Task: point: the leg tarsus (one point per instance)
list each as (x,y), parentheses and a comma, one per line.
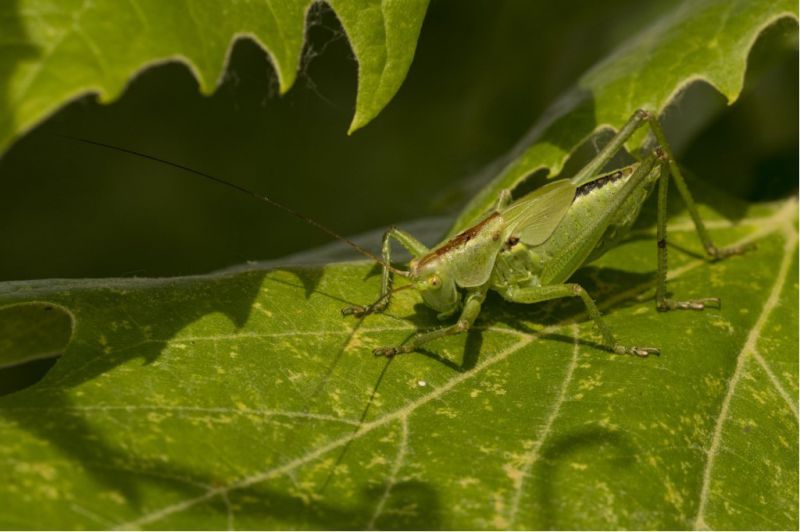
(641,352)
(722,253)
(666,304)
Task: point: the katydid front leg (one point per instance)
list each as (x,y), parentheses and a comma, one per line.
(536,294)
(414,246)
(472,307)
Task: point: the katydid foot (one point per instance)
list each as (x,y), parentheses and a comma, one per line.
(641,352)
(359,311)
(666,305)
(723,253)
(389,352)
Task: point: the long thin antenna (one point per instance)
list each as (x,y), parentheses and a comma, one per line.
(247,191)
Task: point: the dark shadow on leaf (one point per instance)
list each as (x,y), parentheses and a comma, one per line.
(424,317)
(372,272)
(267,507)
(310,277)
(404,496)
(433,355)
(264,506)
(555,458)
(144,337)
(472,349)
(309,282)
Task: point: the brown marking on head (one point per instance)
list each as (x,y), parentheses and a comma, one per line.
(457,241)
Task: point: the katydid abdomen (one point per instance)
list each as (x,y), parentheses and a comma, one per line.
(602,213)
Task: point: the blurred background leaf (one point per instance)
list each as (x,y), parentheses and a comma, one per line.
(484,71)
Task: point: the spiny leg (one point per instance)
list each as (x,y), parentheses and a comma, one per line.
(472,307)
(536,294)
(414,246)
(663,303)
(604,156)
(691,206)
(637,120)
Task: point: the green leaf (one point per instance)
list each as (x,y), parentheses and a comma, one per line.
(705,40)
(53,53)
(384,37)
(245,400)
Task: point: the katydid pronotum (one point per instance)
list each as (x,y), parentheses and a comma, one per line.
(526,250)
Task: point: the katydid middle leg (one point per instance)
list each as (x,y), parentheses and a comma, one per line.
(472,307)
(414,246)
(536,294)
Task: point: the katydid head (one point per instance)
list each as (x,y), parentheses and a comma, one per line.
(436,285)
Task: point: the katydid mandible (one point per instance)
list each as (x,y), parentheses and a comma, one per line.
(527,250)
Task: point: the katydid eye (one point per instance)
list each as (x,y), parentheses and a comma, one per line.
(434,280)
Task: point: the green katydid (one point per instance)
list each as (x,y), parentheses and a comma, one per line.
(527,250)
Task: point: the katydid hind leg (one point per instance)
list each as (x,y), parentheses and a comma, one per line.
(680,183)
(536,294)
(414,246)
(669,166)
(604,156)
(472,307)
(663,303)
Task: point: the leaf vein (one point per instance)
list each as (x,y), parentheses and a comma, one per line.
(747,350)
(402,450)
(533,455)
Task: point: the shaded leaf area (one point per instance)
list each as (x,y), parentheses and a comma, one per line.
(707,40)
(71,210)
(245,400)
(55,52)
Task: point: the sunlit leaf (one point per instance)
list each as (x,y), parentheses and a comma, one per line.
(247,400)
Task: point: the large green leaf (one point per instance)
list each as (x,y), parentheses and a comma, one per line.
(245,400)
(705,40)
(53,52)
